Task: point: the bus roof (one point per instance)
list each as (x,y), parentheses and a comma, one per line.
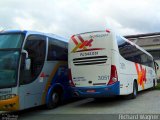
(12,31)
(34,32)
(95,32)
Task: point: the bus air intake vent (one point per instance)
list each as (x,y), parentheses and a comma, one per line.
(90,60)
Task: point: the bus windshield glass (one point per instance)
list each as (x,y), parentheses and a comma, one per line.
(10,44)
(11,40)
(8,68)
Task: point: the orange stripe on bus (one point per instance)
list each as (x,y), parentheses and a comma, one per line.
(50,80)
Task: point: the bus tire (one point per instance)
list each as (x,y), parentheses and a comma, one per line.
(154,85)
(54,101)
(135,90)
(133,95)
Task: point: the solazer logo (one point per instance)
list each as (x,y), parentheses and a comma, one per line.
(82,45)
(98,35)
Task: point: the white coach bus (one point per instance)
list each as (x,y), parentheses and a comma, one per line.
(33,70)
(103,63)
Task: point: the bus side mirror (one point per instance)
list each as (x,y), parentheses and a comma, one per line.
(26,60)
(156,65)
(27,64)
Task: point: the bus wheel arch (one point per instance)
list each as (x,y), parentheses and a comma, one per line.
(135,89)
(54,97)
(154,84)
(133,95)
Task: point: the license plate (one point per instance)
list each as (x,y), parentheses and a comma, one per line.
(91,91)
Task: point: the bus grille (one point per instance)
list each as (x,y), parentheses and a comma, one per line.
(90,60)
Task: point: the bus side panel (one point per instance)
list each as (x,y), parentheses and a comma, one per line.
(58,76)
(127,75)
(130,71)
(60,79)
(150,76)
(34,93)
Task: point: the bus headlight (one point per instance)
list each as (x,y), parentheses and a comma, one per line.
(9,96)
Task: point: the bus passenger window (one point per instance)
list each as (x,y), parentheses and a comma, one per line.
(57,50)
(36,48)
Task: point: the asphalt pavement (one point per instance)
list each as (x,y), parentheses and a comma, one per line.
(147,102)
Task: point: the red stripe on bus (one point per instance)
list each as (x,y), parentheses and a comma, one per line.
(80,38)
(83,44)
(89,43)
(92,49)
(74,40)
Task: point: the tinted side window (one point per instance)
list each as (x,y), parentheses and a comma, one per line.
(128,51)
(57,50)
(131,53)
(36,48)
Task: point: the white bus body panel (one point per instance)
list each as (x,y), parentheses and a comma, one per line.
(91,72)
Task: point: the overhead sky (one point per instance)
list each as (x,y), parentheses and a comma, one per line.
(68,17)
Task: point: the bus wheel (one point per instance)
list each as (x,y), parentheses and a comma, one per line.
(54,100)
(153,85)
(135,91)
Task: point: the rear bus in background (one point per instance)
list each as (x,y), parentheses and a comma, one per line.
(103,63)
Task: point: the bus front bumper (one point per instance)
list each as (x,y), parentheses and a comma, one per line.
(11,104)
(97,91)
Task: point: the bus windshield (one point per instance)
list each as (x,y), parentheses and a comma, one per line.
(10,44)
(8,68)
(11,40)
